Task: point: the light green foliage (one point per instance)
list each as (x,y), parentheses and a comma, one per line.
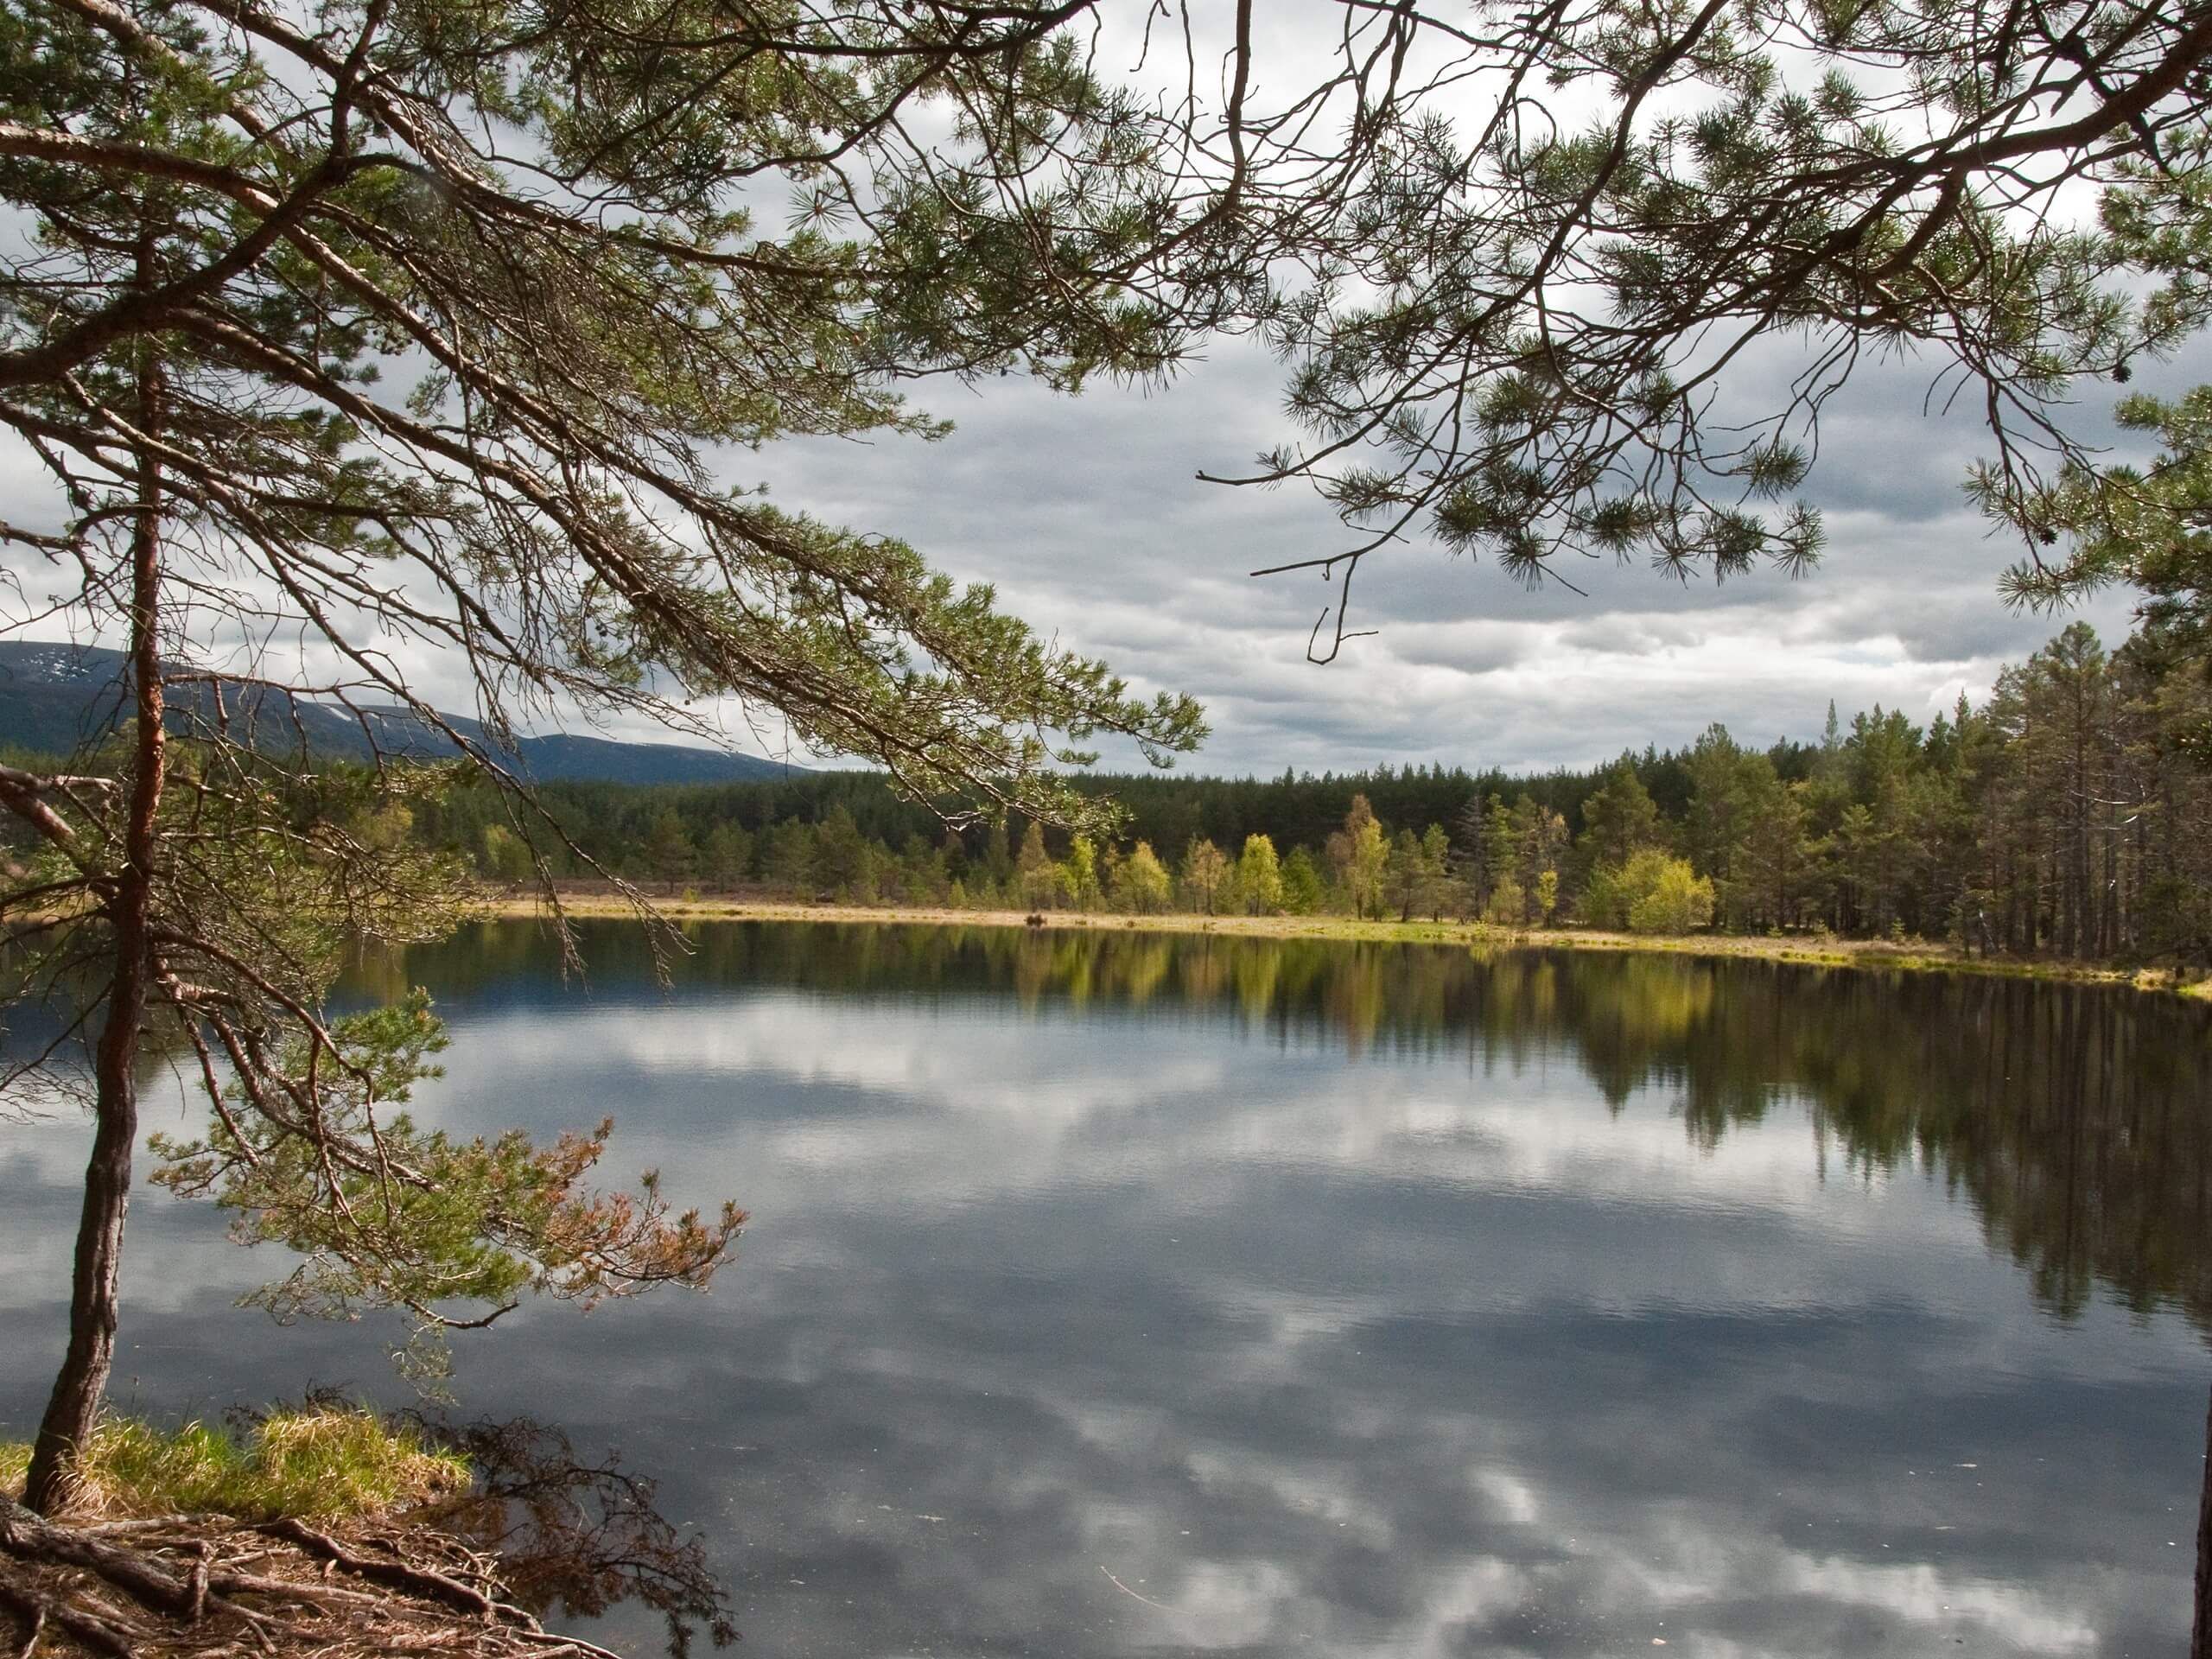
(1079,874)
(1547,895)
(1528,839)
(1652,892)
(1141,883)
(317,1464)
(1259,877)
(1204,875)
(269,881)
(1950,830)
(1601,903)
(1508,905)
(1360,855)
(506,858)
(1038,878)
(1675,903)
(257,883)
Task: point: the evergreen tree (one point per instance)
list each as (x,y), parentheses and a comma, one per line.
(1303,892)
(726,856)
(1619,819)
(1536,835)
(1436,882)
(1773,865)
(922,878)
(789,863)
(669,854)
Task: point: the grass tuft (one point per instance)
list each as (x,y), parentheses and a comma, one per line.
(319,1463)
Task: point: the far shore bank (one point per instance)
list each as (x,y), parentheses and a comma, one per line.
(1805,949)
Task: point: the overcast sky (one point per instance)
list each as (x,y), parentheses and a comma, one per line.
(1086,514)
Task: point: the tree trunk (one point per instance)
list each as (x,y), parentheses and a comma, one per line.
(74,1407)
(2200,1639)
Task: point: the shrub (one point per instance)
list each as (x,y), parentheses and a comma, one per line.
(1507,905)
(1652,892)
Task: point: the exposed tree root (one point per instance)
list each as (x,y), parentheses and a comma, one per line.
(393,1572)
(34,1611)
(185,1589)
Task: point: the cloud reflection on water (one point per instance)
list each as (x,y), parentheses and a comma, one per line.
(1427,1306)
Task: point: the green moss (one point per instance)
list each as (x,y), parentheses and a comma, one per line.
(323,1463)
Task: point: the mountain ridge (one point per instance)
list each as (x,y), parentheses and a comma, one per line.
(56,696)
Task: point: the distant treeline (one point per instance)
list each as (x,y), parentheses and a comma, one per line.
(2070,814)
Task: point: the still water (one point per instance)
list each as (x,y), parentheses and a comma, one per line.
(1110,1294)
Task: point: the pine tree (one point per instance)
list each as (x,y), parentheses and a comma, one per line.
(1619,819)
(725,857)
(668,854)
(1303,892)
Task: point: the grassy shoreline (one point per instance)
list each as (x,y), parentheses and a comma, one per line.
(1914,956)
(206,1541)
(319,1463)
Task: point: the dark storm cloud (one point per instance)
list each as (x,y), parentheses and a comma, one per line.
(1087,515)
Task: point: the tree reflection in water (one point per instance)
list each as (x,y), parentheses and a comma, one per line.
(2074,1121)
(576,1538)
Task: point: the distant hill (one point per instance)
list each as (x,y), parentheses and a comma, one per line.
(55,697)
